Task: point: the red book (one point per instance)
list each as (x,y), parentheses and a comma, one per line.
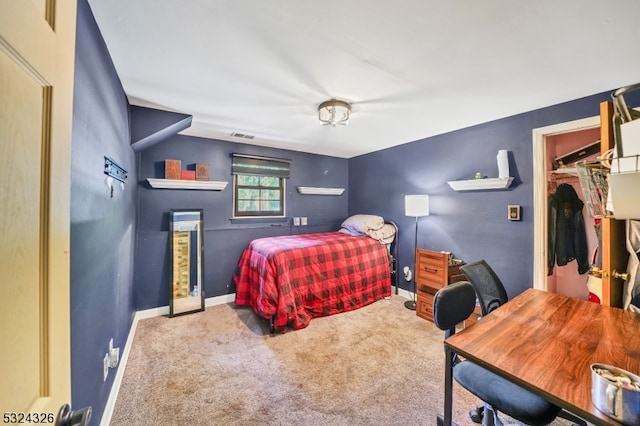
(188,174)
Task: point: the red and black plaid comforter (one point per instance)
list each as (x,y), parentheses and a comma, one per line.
(294,278)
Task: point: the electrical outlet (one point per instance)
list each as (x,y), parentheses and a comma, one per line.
(296,221)
(114,357)
(105,371)
(407,274)
(303,221)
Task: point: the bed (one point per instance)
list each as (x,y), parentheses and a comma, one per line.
(290,279)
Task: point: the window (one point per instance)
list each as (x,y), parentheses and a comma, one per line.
(258,196)
(258,186)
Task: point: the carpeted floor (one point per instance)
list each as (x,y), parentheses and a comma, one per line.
(379,365)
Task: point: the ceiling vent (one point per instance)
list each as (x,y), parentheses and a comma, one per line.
(241,135)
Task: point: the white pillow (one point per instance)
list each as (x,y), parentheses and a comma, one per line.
(363,223)
(385,235)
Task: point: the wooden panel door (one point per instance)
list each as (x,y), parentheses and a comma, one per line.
(37,41)
(613,249)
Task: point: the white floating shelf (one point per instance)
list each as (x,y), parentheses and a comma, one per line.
(314,190)
(480,184)
(210,185)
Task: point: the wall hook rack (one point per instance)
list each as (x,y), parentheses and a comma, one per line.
(114,169)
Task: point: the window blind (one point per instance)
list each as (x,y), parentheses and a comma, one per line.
(256,165)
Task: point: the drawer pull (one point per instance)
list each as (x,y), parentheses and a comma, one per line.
(434,270)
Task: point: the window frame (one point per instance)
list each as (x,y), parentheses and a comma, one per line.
(261,214)
(259,167)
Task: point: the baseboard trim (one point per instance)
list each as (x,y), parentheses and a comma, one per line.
(404,293)
(140,315)
(219,300)
(117,381)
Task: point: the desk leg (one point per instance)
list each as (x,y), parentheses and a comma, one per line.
(446,420)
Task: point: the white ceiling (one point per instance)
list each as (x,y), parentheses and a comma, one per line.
(410,68)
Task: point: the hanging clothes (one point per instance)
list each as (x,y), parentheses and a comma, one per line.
(631,295)
(567,238)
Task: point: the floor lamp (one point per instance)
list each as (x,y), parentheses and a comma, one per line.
(416,206)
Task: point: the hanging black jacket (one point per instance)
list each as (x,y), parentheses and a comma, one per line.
(567,239)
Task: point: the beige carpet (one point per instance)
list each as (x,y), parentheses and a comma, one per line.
(379,365)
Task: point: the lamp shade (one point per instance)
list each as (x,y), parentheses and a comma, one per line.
(416,205)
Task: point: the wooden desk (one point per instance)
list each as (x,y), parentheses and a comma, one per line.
(546,343)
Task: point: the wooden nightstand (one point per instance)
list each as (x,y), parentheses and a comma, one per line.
(433,272)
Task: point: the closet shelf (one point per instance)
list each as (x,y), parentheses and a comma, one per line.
(480,184)
(210,185)
(565,171)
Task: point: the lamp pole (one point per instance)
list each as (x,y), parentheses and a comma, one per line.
(411,304)
(415,206)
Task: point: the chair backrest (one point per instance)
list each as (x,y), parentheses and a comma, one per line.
(453,304)
(489,289)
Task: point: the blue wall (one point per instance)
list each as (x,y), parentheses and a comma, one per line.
(111,234)
(224,239)
(473,225)
(103,229)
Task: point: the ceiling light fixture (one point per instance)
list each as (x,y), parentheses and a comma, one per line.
(334,112)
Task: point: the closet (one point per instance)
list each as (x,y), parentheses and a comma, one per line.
(563,151)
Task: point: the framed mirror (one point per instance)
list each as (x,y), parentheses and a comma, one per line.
(187,269)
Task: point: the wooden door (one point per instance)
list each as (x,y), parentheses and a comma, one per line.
(37,42)
(613,249)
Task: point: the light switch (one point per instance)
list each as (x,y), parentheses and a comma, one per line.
(513,212)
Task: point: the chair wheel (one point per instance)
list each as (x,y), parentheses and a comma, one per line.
(477,414)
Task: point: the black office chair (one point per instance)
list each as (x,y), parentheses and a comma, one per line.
(489,289)
(491,294)
(452,305)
